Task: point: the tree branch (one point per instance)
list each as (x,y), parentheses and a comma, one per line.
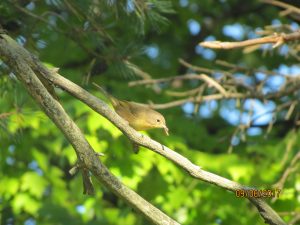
(7,114)
(291,168)
(23,65)
(15,57)
(288,7)
(276,39)
(102,108)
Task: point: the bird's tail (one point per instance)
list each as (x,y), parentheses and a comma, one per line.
(114,101)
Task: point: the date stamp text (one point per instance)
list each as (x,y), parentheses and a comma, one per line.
(255,193)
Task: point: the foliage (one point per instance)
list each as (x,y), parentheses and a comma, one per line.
(110,43)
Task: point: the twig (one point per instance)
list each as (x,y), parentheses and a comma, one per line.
(229,95)
(184,93)
(210,81)
(291,168)
(291,8)
(202,69)
(247,70)
(143,75)
(291,110)
(295,219)
(4,115)
(195,68)
(200,99)
(276,39)
(294,214)
(288,149)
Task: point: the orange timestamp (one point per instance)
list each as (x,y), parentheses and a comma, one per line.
(255,193)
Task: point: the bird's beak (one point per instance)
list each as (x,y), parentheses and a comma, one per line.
(166,130)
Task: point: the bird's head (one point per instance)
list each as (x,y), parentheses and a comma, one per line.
(156,120)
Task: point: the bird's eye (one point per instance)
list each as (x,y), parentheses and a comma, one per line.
(158,120)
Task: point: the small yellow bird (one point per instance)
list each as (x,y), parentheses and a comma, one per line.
(138,116)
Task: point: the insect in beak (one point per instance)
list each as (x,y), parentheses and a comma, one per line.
(166,130)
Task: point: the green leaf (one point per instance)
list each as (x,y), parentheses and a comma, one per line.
(9,186)
(24,201)
(34,183)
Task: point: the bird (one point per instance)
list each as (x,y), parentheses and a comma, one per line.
(139,116)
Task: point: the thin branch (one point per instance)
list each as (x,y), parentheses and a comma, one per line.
(288,149)
(247,70)
(290,87)
(291,168)
(276,39)
(196,68)
(289,7)
(200,99)
(7,114)
(143,75)
(185,93)
(295,219)
(210,81)
(155,81)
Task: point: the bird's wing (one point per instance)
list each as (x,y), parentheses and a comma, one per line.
(112,99)
(137,109)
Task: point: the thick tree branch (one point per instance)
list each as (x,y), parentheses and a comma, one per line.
(20,61)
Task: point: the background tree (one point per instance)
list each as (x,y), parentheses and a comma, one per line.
(237,118)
